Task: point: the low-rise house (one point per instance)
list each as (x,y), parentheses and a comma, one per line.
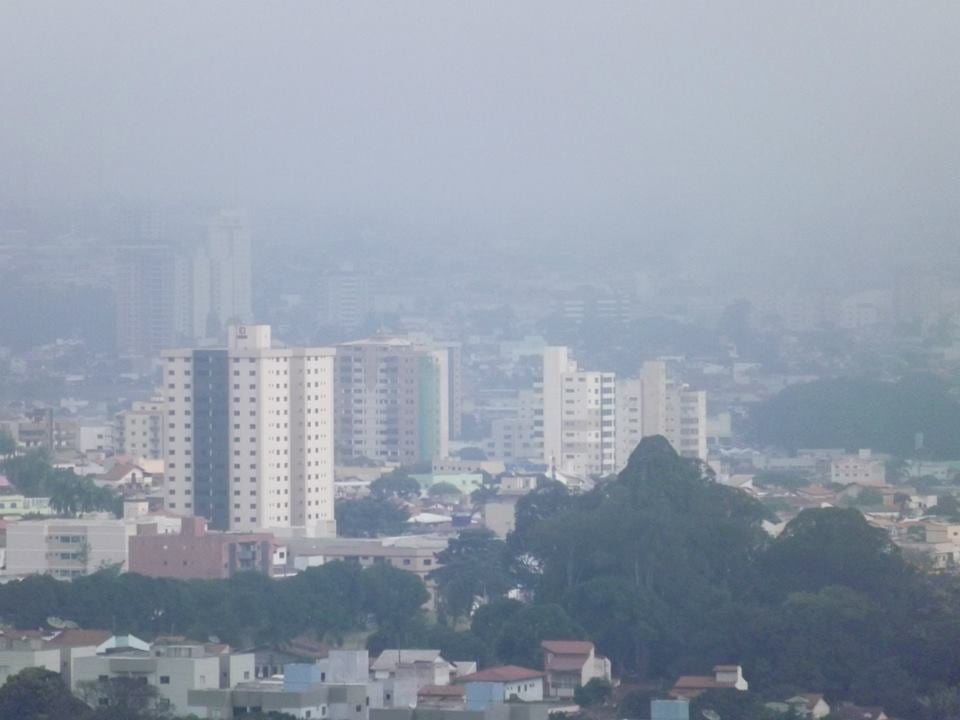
(403,673)
(442,697)
(336,687)
(126,475)
(76,643)
(669,710)
(941,532)
(272,659)
(427,667)
(497,685)
(861,468)
(18,505)
(849,711)
(338,702)
(724,676)
(570,664)
(809,705)
(173,666)
(21,649)
(55,650)
(506,711)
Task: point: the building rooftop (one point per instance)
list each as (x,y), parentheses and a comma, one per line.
(505,673)
(568,647)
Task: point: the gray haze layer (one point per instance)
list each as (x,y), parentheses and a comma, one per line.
(728,125)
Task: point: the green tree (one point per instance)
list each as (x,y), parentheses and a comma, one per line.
(520,637)
(634,705)
(394,597)
(8,446)
(396,485)
(489,619)
(730,705)
(38,694)
(472,453)
(123,698)
(473,567)
(788,481)
(443,488)
(597,691)
(833,546)
(947,506)
(370,517)
(868,497)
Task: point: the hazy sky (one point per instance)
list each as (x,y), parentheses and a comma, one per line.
(728,122)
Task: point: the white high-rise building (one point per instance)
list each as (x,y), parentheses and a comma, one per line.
(629,418)
(249,441)
(579,416)
(591,421)
(222,287)
(674,410)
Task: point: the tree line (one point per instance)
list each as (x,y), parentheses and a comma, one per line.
(851,413)
(33,475)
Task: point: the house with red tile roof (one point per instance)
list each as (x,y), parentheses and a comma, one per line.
(441,697)
(724,677)
(569,664)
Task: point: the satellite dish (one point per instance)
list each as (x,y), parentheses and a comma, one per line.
(710,714)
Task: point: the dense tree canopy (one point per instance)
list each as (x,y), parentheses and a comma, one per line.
(396,485)
(370,517)
(473,568)
(329,601)
(38,694)
(853,414)
(70,494)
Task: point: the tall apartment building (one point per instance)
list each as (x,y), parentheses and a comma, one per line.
(519,438)
(249,441)
(346,298)
(588,423)
(579,416)
(454,360)
(392,401)
(629,418)
(151,298)
(674,410)
(221,282)
(140,430)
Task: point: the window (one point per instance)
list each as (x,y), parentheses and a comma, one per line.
(164,679)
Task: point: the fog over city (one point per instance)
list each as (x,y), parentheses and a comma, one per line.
(451,360)
(742,127)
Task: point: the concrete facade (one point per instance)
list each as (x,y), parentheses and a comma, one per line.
(194,553)
(66,549)
(249,442)
(393,401)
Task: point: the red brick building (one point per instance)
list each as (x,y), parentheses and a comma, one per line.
(195,553)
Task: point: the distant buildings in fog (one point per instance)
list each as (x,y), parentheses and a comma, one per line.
(588,422)
(165,296)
